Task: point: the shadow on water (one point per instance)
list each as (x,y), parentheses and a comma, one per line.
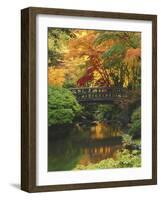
(81,144)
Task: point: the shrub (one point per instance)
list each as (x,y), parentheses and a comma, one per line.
(62,106)
(104,112)
(135,127)
(126,140)
(124,159)
(69,84)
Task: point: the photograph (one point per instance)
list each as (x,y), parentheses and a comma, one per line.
(89,99)
(94,99)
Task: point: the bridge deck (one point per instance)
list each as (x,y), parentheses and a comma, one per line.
(99,94)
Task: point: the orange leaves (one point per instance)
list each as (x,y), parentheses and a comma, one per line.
(81,45)
(116,59)
(56,76)
(132,57)
(132,53)
(104,46)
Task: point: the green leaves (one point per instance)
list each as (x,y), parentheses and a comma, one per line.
(126,140)
(104,112)
(57,38)
(60,116)
(131,39)
(124,159)
(113,57)
(62,106)
(54,58)
(115,50)
(105,36)
(135,127)
(134,41)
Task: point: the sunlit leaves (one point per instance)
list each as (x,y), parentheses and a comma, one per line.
(56,76)
(94,58)
(132,54)
(57,40)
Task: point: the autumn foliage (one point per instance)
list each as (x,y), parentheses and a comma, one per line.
(97,58)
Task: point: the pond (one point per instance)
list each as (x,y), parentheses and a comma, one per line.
(82,144)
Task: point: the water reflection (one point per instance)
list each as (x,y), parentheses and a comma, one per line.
(83,145)
(103,130)
(96,154)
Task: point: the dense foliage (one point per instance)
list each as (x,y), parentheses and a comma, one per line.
(57,39)
(124,159)
(94,58)
(135,127)
(127,140)
(104,112)
(62,106)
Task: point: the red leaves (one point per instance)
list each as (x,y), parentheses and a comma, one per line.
(89,74)
(90,70)
(87,77)
(83,80)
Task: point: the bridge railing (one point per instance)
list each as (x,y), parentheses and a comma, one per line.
(99,93)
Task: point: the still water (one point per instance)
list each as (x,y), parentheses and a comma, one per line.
(82,144)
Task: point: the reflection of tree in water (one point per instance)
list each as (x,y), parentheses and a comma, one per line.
(84,145)
(103,130)
(96,154)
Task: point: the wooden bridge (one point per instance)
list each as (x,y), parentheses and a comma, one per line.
(99,94)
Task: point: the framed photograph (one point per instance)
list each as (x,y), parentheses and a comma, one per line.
(89,99)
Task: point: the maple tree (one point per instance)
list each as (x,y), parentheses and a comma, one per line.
(96,58)
(83,47)
(123,59)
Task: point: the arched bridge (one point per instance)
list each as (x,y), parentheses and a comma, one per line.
(99,94)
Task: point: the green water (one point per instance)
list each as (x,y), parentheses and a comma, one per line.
(82,144)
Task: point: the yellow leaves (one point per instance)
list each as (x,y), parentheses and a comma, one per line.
(56,76)
(79,53)
(131,57)
(80,33)
(96,76)
(70,71)
(126,81)
(132,60)
(82,45)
